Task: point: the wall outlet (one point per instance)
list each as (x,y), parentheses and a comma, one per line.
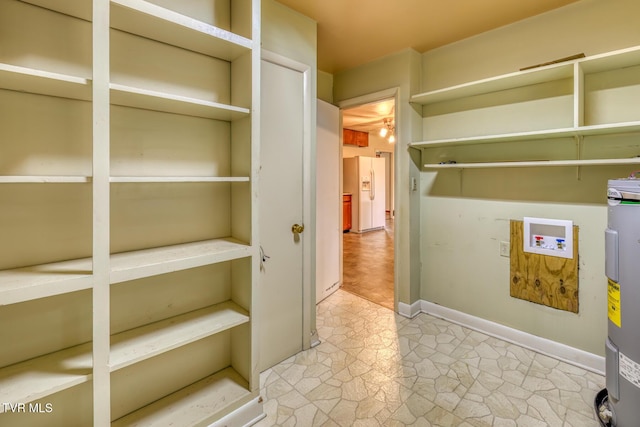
(504,249)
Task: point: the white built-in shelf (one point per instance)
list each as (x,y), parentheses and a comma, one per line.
(45,375)
(535,163)
(42,82)
(39,281)
(609,128)
(508,137)
(494,84)
(42,376)
(44,179)
(604,129)
(593,64)
(192,405)
(160,179)
(156,338)
(615,60)
(157,23)
(170,103)
(150,262)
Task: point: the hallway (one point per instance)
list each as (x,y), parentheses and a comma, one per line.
(376,368)
(368,265)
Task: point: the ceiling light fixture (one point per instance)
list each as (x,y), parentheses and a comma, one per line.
(388,130)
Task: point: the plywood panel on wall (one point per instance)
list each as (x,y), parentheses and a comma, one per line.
(543,279)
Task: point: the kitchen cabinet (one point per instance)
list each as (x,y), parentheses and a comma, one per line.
(129,146)
(346,212)
(354,137)
(558,115)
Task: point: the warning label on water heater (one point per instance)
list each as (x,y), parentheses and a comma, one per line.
(629,370)
(613,300)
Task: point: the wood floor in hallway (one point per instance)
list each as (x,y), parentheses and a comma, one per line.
(368,265)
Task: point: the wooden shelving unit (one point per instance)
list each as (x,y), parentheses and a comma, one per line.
(594,107)
(175,112)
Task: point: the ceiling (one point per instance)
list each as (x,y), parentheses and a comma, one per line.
(369,117)
(354,32)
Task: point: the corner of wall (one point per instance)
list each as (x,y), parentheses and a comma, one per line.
(325,86)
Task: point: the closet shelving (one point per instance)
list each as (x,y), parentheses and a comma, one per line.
(180,304)
(42,82)
(571,103)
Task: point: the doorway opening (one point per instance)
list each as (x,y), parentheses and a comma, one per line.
(368,153)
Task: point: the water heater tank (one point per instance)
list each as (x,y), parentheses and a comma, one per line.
(622,267)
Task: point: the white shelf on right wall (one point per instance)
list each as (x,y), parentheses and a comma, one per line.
(587,97)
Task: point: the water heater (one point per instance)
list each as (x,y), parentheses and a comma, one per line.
(621,401)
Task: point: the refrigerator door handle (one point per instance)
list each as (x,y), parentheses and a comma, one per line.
(372,193)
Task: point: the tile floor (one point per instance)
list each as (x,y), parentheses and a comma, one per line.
(376,368)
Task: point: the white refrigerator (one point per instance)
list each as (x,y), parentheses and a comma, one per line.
(364,178)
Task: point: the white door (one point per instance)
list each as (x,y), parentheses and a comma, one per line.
(280,207)
(328,200)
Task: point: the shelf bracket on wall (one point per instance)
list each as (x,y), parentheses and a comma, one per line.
(579,140)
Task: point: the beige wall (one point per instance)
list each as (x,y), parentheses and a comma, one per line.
(465,214)
(290,34)
(325,86)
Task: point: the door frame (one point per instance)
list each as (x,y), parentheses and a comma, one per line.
(392,93)
(309,333)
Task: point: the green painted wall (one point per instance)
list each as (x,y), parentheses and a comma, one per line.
(465,214)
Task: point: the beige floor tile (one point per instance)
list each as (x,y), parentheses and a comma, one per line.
(375,368)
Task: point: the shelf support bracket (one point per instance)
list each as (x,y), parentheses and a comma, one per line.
(579,140)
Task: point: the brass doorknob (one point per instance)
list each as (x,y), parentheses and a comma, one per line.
(297,228)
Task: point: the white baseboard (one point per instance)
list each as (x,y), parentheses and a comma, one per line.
(563,352)
(410,311)
(246,415)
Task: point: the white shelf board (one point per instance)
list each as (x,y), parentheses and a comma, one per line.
(603,129)
(536,163)
(151,340)
(170,103)
(42,376)
(139,179)
(42,179)
(611,60)
(494,84)
(157,23)
(509,137)
(609,128)
(39,281)
(196,404)
(150,262)
(42,82)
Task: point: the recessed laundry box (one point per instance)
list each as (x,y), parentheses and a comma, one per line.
(553,237)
